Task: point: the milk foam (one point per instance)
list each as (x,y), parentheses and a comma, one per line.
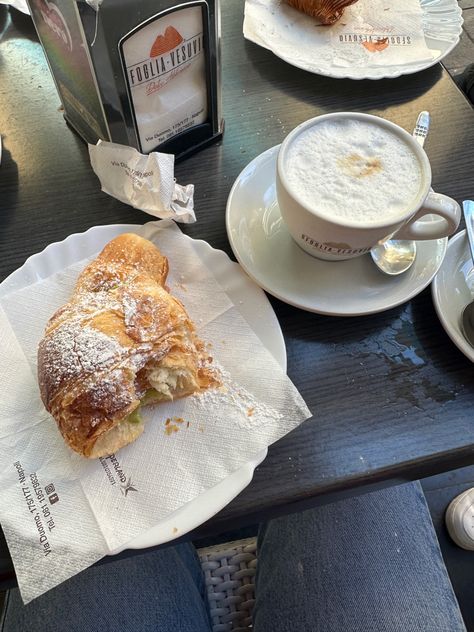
(353,170)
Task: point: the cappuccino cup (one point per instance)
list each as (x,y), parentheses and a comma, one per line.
(348,180)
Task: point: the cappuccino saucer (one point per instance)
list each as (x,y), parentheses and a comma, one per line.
(266,251)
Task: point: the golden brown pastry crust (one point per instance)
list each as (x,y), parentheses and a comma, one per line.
(96,352)
(326,11)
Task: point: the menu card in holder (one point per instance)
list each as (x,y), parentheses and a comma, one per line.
(142,73)
(170,68)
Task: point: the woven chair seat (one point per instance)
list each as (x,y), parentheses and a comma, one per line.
(229,570)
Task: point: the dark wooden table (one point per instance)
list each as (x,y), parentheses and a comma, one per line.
(392,397)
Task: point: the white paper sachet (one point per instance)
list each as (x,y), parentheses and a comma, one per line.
(146,182)
(61,512)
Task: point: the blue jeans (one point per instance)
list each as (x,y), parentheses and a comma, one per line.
(370,563)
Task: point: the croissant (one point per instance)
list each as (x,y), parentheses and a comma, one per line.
(326,11)
(121,342)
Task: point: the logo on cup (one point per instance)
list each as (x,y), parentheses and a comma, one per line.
(333,248)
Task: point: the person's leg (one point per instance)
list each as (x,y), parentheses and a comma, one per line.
(162,591)
(367,564)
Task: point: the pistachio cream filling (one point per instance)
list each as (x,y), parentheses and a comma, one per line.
(151,396)
(134,417)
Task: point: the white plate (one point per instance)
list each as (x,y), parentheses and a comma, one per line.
(248,299)
(269,255)
(442,26)
(453,289)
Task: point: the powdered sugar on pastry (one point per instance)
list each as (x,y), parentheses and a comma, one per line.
(101,350)
(74,350)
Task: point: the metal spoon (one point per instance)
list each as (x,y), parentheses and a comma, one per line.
(467,316)
(394,256)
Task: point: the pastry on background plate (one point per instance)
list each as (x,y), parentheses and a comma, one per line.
(121,342)
(326,11)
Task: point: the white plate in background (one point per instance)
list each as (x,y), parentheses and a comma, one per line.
(247,297)
(442,26)
(453,289)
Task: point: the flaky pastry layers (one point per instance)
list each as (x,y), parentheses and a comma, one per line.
(326,11)
(122,341)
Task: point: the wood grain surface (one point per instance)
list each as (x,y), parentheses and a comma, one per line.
(392,398)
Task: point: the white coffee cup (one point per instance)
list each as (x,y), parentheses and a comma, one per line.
(347,180)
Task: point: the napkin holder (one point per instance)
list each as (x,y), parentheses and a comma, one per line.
(143,73)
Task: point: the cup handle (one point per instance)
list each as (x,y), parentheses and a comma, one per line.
(449,216)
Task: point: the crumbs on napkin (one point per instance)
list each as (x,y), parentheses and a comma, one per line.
(172,424)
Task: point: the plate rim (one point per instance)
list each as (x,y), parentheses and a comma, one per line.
(245,471)
(458,341)
(268,153)
(403,70)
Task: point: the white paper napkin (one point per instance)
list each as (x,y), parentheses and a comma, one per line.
(144,181)
(60,512)
(380,33)
(353,41)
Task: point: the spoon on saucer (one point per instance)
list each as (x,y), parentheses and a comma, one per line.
(395,256)
(467,316)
